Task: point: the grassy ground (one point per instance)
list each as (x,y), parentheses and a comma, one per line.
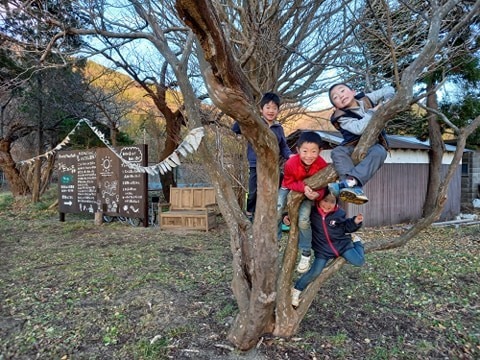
(73,290)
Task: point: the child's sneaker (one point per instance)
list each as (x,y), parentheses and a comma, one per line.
(353,195)
(296,297)
(303,264)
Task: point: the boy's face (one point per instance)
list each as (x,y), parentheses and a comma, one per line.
(343,97)
(328,203)
(270,111)
(308,152)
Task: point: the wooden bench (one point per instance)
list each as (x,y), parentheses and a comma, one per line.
(190,208)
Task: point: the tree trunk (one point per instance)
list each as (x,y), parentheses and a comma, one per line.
(435,154)
(256,313)
(254,247)
(37,174)
(113,135)
(17,184)
(171,142)
(47,171)
(173,124)
(37,170)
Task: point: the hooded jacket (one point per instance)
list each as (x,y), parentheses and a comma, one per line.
(330,232)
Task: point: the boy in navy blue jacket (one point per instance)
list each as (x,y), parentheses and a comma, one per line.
(330,239)
(269,107)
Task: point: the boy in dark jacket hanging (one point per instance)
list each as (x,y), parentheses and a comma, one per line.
(353,113)
(300,166)
(269,107)
(330,239)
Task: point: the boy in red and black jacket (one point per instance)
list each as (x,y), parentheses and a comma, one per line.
(330,239)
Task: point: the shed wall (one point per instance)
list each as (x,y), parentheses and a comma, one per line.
(470,178)
(397,192)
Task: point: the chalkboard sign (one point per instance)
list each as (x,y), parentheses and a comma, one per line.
(97,180)
(77,181)
(108,178)
(131,182)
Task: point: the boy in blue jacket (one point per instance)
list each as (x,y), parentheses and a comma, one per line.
(330,239)
(269,107)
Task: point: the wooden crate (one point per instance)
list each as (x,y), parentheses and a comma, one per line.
(191,198)
(191,220)
(190,208)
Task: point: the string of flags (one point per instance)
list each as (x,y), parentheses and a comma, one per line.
(190,144)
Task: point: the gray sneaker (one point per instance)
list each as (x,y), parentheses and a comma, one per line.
(354,195)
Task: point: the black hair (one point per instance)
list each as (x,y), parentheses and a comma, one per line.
(310,137)
(335,85)
(328,193)
(269,96)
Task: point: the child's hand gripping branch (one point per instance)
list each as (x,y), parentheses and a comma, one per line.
(310,193)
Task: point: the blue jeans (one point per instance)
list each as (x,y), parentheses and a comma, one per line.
(355,256)
(305,230)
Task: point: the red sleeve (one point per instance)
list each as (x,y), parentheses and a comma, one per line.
(290,179)
(322,163)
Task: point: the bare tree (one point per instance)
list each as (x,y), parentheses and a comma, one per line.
(263,306)
(284,46)
(29,56)
(391,36)
(157,90)
(105,93)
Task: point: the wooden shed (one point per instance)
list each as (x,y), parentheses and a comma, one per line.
(397,191)
(470,178)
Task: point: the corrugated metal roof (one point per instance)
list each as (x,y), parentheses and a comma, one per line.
(395,141)
(407,142)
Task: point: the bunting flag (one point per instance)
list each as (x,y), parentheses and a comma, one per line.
(189,145)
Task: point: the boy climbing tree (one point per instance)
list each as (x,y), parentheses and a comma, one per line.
(351,117)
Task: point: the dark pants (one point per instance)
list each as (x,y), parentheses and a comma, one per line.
(252,190)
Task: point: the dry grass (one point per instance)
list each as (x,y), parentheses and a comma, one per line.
(77,291)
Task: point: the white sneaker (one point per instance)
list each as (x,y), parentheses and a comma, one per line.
(296,297)
(303,264)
